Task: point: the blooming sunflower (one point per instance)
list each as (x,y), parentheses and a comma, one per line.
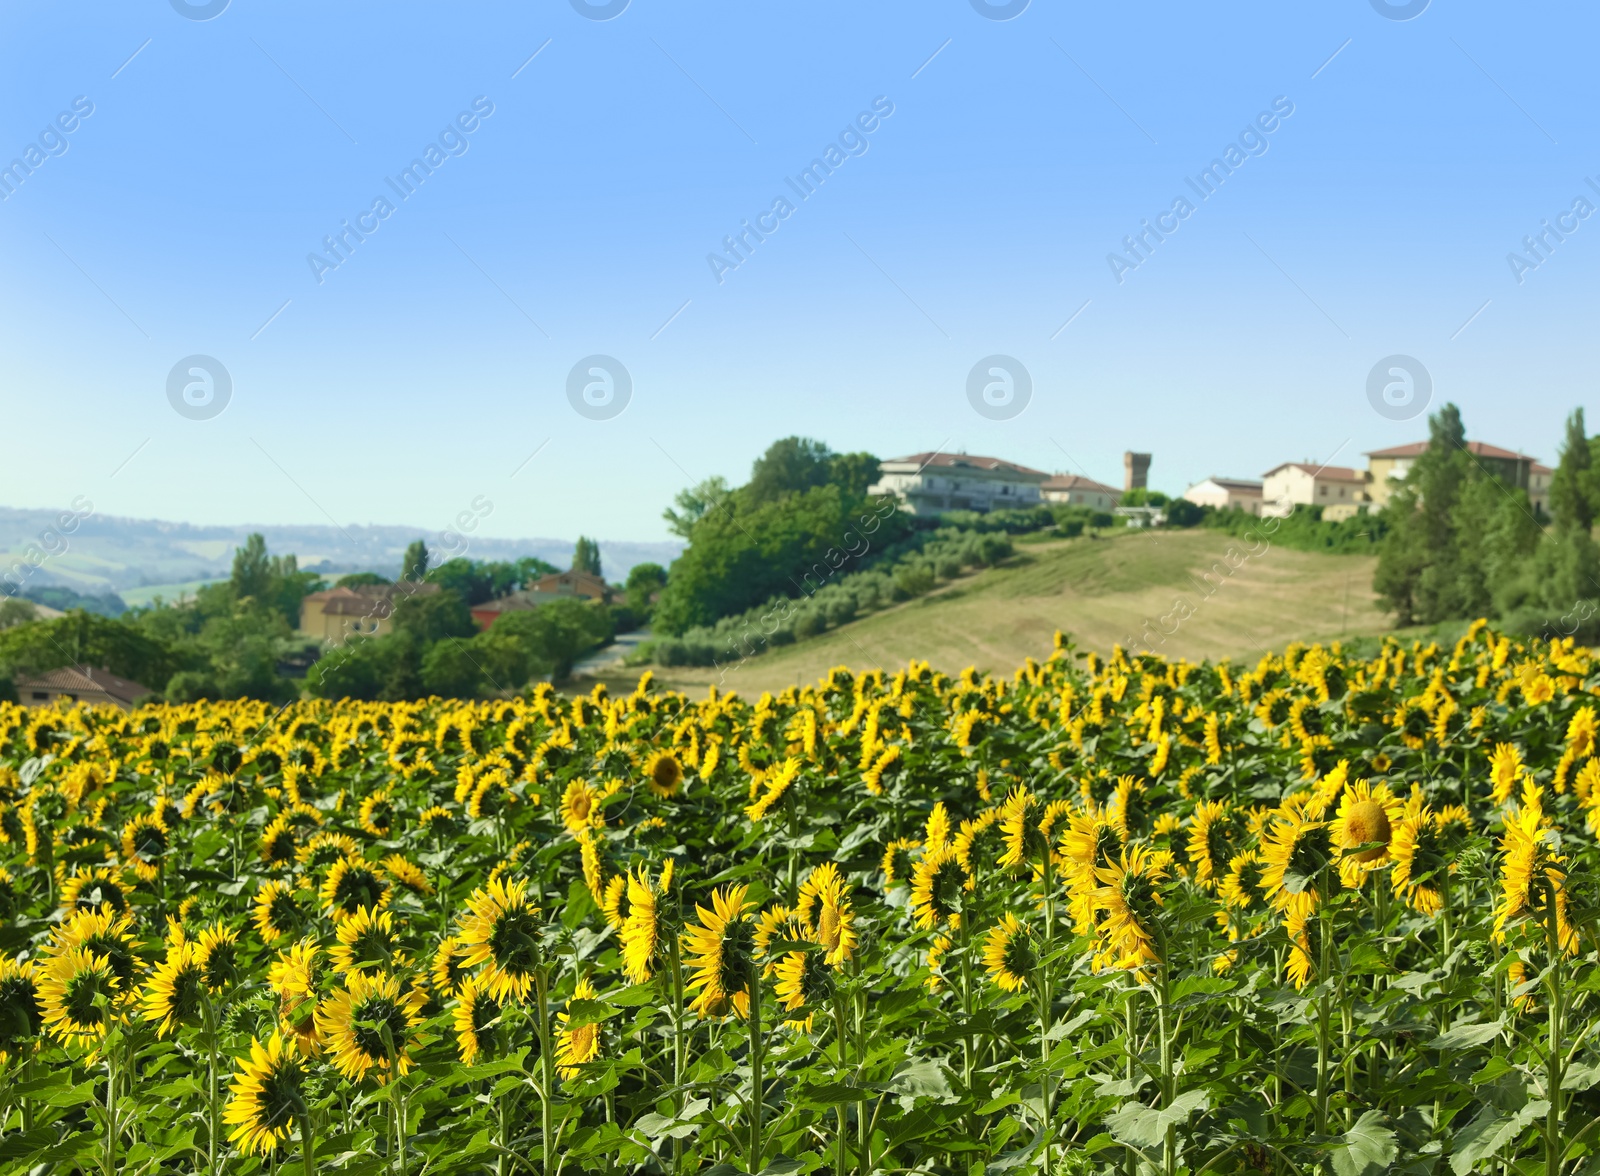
(1423,848)
(217,952)
(663,773)
(408,874)
(367,940)
(144,843)
(1362,830)
(1505,768)
(1305,940)
(1025,840)
(351,885)
(937,832)
(577,1045)
(803,978)
(175,992)
(502,933)
(1530,873)
(1242,887)
(279,846)
(276,912)
(937,888)
(721,950)
(935,962)
(1130,896)
(265,1097)
(323,849)
(580,807)
(885,766)
(1008,954)
(377,813)
(642,931)
(449,970)
(293,977)
(367,1025)
(1212,831)
(899,860)
(95,888)
(74,993)
(101,933)
(21,1014)
(826,910)
(477,1021)
(1296,856)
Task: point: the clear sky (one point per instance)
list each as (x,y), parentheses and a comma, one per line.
(579,215)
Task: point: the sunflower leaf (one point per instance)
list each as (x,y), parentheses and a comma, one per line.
(588,1012)
(1368,1147)
(1467,1035)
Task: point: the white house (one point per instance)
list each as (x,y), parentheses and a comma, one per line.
(1226,494)
(930,483)
(1300,483)
(1073,490)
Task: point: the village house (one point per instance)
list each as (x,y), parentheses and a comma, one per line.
(931,483)
(1073,490)
(1339,490)
(1227,494)
(555,586)
(339,613)
(1386,467)
(85,684)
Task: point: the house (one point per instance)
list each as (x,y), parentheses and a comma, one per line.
(1539,488)
(581,585)
(1072,490)
(1386,466)
(930,483)
(1141,516)
(86,684)
(1302,483)
(340,613)
(1227,494)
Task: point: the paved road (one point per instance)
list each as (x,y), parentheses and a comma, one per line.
(610,657)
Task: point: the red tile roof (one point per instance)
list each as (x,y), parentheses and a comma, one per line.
(1332,473)
(964,460)
(1477,448)
(1075,482)
(83,680)
(1235,483)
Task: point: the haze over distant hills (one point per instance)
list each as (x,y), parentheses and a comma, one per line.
(106,552)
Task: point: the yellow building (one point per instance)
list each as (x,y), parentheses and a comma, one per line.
(335,616)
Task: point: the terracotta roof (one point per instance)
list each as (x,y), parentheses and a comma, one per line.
(1233,483)
(963,460)
(1075,482)
(1332,473)
(584,585)
(1477,448)
(367,599)
(83,680)
(1536,468)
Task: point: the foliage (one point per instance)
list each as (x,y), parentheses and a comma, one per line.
(414,564)
(586,556)
(476,581)
(64,599)
(693,503)
(1304,529)
(1099,916)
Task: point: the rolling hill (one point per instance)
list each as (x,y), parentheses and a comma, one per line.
(1137,588)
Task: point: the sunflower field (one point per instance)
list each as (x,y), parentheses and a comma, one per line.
(1325,913)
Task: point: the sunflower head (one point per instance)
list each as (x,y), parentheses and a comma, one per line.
(79,996)
(1009,955)
(21,1015)
(502,932)
(175,993)
(576,1044)
(351,885)
(217,952)
(477,1021)
(276,912)
(266,1097)
(938,889)
(663,772)
(721,948)
(368,1025)
(367,941)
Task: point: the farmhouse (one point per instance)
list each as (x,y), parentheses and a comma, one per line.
(1227,494)
(336,615)
(1388,466)
(87,684)
(931,483)
(1340,490)
(579,585)
(1073,490)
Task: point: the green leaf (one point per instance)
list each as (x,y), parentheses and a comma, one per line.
(1366,1148)
(922,1077)
(588,1012)
(1467,1035)
(633,996)
(1140,1126)
(1489,1132)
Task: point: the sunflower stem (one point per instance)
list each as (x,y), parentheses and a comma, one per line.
(213,1118)
(547,1083)
(753,1163)
(1324,1014)
(1554,1061)
(1169,1145)
(840,1068)
(677,1045)
(308,1144)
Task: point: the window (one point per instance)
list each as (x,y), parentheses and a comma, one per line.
(1323,491)
(41,696)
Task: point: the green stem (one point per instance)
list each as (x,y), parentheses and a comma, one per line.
(1169,1146)
(1324,1031)
(213,1117)
(753,1160)
(308,1144)
(547,1084)
(677,1047)
(1554,1062)
(842,1064)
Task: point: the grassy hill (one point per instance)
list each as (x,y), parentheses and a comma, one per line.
(1135,588)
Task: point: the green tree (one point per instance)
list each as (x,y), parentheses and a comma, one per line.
(414,565)
(82,638)
(644,582)
(432,616)
(790,466)
(1420,573)
(586,556)
(1572,486)
(362,580)
(252,569)
(544,640)
(693,504)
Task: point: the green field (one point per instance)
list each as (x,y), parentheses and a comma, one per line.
(1101,591)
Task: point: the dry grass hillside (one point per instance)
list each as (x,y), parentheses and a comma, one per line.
(1136,588)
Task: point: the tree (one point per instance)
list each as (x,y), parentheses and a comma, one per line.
(645,581)
(853,472)
(81,638)
(548,639)
(362,580)
(586,556)
(414,566)
(1420,571)
(252,570)
(432,616)
(1572,486)
(790,466)
(693,504)
(16,611)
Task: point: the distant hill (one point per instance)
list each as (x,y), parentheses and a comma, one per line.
(110,553)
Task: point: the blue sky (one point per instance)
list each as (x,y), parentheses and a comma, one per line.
(424,370)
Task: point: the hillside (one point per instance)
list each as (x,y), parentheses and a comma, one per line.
(1102,592)
(107,552)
